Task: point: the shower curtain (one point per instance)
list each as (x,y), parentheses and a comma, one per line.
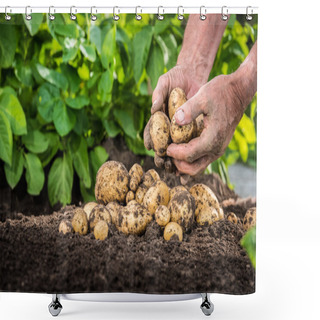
(97,193)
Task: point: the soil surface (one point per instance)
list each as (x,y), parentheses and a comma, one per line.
(35,257)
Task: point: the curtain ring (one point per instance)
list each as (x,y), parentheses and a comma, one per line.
(28,16)
(203,15)
(51,16)
(224,16)
(93,16)
(248,15)
(6,15)
(160,16)
(138,16)
(115,16)
(73,17)
(180,14)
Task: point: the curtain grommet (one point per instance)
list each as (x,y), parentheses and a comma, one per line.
(160,16)
(6,15)
(138,16)
(28,16)
(51,15)
(224,13)
(115,16)
(93,17)
(248,15)
(180,13)
(73,17)
(203,12)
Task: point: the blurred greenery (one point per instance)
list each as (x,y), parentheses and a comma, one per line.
(248,242)
(65,86)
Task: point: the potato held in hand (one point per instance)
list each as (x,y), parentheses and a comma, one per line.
(112,182)
(249,219)
(160,133)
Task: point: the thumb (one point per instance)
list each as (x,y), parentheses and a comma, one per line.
(190,110)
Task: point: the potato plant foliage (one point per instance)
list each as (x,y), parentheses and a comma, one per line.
(67,85)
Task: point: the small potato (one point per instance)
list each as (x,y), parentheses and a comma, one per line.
(136,175)
(114,210)
(101,230)
(199,125)
(249,219)
(65,226)
(160,133)
(88,207)
(204,197)
(182,207)
(221,213)
(150,178)
(232,217)
(173,229)
(159,161)
(157,194)
(181,134)
(130,196)
(176,189)
(97,214)
(162,216)
(80,221)
(112,183)
(176,99)
(134,218)
(207,216)
(142,190)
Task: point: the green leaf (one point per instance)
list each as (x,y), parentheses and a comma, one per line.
(8,44)
(34,24)
(66,30)
(54,144)
(141,47)
(53,77)
(23,72)
(124,118)
(60,180)
(77,102)
(247,128)
(137,146)
(6,142)
(105,84)
(111,127)
(34,174)
(14,172)
(84,72)
(248,242)
(63,118)
(98,156)
(172,47)
(81,163)
(155,65)
(70,49)
(87,193)
(108,48)
(14,112)
(242,145)
(88,51)
(35,141)
(48,96)
(95,37)
(72,76)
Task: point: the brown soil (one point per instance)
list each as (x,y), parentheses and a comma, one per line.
(34,257)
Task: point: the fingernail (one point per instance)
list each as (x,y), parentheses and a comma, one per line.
(179,116)
(168,153)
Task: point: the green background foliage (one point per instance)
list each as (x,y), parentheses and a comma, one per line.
(65,86)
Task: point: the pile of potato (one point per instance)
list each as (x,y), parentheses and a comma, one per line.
(164,129)
(131,200)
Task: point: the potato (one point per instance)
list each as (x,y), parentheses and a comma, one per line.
(160,133)
(88,207)
(221,213)
(162,216)
(136,175)
(101,230)
(176,99)
(134,218)
(181,134)
(80,221)
(173,229)
(232,217)
(182,207)
(207,216)
(157,194)
(98,213)
(114,210)
(130,196)
(141,193)
(199,125)
(112,183)
(176,189)
(150,178)
(249,219)
(65,226)
(204,197)
(159,161)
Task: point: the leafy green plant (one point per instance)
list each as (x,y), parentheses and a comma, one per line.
(65,86)
(248,242)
